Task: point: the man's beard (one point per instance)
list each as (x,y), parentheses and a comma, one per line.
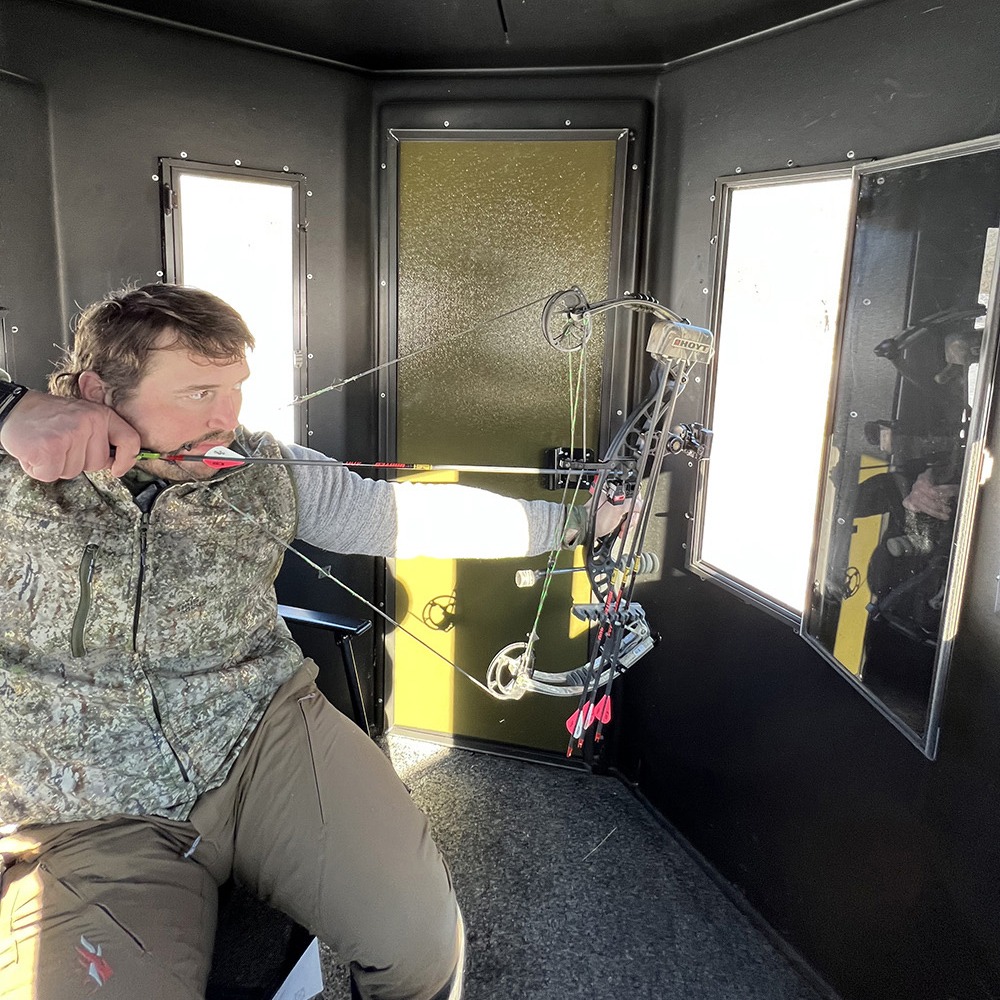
(183,472)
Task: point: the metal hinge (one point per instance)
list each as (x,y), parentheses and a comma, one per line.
(168,199)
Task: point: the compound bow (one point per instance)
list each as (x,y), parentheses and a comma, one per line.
(635,456)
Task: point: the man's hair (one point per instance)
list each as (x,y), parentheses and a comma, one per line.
(116,336)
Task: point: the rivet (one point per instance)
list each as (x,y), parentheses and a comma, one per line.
(866,302)
(159,274)
(789,163)
(238,163)
(854,414)
(382,283)
(310,433)
(712,198)
(619,413)
(684,545)
(879,180)
(850,154)
(184,155)
(568,122)
(704,291)
(739,170)
(284,167)
(309,194)
(13,329)
(382,394)
(446,124)
(714,240)
(309,276)
(383,166)
(840,520)
(635,166)
(690,465)
(697,378)
(310,356)
(156,177)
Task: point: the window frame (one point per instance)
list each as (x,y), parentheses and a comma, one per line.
(724,187)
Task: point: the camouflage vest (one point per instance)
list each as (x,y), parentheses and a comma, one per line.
(137,651)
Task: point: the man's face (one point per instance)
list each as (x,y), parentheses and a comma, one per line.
(184,403)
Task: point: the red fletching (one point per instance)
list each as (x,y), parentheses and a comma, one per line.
(583,718)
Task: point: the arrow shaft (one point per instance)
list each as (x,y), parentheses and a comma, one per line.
(406,466)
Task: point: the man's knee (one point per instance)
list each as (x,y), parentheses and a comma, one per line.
(424,962)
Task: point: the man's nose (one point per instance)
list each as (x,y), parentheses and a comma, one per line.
(226,412)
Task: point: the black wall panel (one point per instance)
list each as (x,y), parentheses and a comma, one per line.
(875,863)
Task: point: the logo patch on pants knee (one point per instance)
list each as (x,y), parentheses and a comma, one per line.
(92,959)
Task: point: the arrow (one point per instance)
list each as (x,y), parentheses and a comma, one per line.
(224,458)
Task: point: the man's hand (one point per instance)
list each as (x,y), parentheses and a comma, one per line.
(610,516)
(927,497)
(54,437)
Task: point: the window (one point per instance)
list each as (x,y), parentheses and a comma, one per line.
(240,234)
(779,274)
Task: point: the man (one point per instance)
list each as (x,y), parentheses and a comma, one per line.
(159,730)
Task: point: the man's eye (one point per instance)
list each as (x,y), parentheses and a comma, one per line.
(200,394)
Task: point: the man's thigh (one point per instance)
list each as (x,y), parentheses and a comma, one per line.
(326,832)
(111,910)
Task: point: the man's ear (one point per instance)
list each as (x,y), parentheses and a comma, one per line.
(92,387)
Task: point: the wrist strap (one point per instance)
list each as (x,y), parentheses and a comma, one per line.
(10,395)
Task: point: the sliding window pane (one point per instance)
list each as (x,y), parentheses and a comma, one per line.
(777,306)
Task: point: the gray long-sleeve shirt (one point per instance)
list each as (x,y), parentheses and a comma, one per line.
(341,511)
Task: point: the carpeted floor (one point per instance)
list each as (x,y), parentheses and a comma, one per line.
(570,889)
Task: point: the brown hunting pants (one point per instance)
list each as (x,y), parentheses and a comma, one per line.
(312,819)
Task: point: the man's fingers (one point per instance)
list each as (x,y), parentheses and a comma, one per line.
(97,454)
(126,442)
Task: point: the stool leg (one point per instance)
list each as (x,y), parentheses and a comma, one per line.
(354,683)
